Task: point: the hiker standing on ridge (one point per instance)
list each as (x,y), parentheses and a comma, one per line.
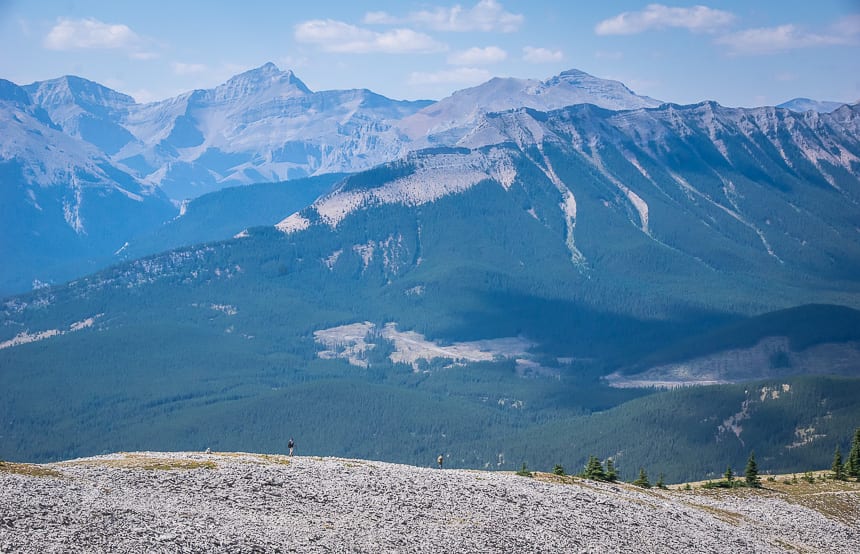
(439,460)
(290,445)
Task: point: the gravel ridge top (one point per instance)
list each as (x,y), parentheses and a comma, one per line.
(245,502)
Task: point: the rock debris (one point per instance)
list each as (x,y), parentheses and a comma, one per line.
(238,503)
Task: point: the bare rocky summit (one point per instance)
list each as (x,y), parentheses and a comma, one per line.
(235,502)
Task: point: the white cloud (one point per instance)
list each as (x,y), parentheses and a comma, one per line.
(180,68)
(380,18)
(486,15)
(658,16)
(478,56)
(771,40)
(541,55)
(337,36)
(848,26)
(460,76)
(73,34)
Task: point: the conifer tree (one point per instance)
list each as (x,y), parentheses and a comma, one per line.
(524,471)
(729,475)
(836,468)
(853,463)
(594,469)
(751,472)
(642,480)
(611,472)
(661,484)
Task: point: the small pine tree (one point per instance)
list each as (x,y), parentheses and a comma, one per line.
(642,480)
(611,472)
(836,468)
(729,475)
(751,472)
(524,471)
(594,469)
(661,484)
(558,469)
(853,462)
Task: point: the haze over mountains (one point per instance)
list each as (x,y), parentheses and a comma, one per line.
(266,125)
(64,204)
(492,256)
(262,125)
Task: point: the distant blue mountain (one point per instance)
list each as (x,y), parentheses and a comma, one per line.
(267,125)
(806,105)
(224,213)
(260,126)
(64,206)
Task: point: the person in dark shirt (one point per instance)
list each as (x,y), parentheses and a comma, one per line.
(291,445)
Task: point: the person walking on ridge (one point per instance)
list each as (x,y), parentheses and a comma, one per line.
(290,445)
(439,461)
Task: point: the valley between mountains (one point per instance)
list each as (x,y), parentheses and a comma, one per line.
(528,271)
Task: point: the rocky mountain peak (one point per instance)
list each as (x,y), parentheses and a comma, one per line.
(268,77)
(464,107)
(72,90)
(807,104)
(606,93)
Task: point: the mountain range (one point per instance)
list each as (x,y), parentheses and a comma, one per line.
(267,125)
(472,281)
(263,125)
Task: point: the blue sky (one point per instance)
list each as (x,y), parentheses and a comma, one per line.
(739,53)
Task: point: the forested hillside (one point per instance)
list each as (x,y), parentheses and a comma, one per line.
(469,300)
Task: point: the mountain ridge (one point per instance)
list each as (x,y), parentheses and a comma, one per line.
(121,128)
(261,125)
(64,204)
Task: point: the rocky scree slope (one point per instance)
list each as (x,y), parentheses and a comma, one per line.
(232,502)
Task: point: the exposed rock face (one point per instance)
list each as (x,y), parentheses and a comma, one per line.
(186,502)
